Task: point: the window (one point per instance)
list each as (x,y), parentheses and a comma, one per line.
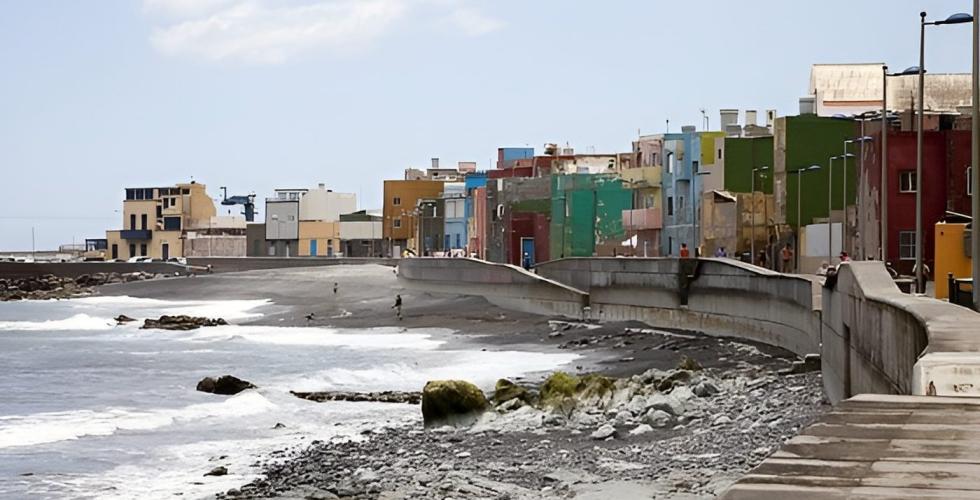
(670,205)
(969,181)
(458,243)
(906,245)
(397,223)
(396,201)
(171,223)
(132,250)
(906,182)
(115,251)
(132,221)
(166,203)
(143,249)
(159,211)
(719,153)
(143,223)
(680,203)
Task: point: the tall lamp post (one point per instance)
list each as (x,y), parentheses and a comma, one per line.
(754,171)
(694,211)
(799,209)
(857,140)
(830,208)
(914,70)
(953,19)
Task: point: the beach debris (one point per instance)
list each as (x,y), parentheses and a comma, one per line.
(225,385)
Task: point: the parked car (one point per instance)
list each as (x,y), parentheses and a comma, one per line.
(178,260)
(139,259)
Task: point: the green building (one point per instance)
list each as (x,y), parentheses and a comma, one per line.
(742,155)
(587,214)
(805,140)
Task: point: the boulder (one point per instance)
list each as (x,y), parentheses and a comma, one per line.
(218,471)
(451,401)
(557,387)
(506,390)
(658,418)
(641,430)
(122,318)
(605,432)
(226,385)
(706,388)
(666,403)
(181,322)
(689,364)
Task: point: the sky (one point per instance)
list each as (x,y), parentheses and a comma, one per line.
(100,95)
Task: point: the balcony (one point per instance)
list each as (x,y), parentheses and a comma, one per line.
(642,218)
(136,234)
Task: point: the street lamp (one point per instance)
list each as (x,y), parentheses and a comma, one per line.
(953,19)
(830,208)
(694,212)
(799,209)
(857,140)
(914,70)
(754,170)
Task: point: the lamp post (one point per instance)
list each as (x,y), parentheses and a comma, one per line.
(953,19)
(694,212)
(830,211)
(858,140)
(754,170)
(914,70)
(799,209)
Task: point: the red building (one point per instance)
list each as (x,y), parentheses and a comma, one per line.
(946,158)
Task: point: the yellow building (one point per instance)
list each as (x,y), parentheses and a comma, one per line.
(155,221)
(951,256)
(319,238)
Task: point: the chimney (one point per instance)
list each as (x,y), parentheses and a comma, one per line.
(728,117)
(808,105)
(770,118)
(435,163)
(751,117)
(688,129)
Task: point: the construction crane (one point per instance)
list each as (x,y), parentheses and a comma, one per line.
(248,201)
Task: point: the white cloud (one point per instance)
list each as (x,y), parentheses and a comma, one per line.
(473,22)
(184,8)
(267,31)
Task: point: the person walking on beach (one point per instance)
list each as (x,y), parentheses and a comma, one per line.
(398,306)
(335,288)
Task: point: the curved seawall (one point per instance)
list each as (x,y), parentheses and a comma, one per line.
(872,338)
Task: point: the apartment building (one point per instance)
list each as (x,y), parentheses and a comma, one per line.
(155,221)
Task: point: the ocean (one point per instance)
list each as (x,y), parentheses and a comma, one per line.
(91,409)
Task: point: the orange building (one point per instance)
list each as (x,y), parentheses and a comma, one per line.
(400,216)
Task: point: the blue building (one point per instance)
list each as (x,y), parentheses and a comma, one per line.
(507,156)
(454,202)
(681,190)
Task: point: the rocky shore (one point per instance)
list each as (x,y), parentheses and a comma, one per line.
(50,286)
(679,433)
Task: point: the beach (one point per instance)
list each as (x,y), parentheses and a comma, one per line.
(290,332)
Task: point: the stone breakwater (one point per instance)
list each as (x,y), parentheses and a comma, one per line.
(54,287)
(682,433)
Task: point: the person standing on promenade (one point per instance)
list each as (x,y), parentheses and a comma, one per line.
(398,306)
(685,253)
(786,256)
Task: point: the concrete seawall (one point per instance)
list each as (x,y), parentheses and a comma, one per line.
(872,338)
(877,339)
(507,286)
(717,297)
(236,264)
(76,269)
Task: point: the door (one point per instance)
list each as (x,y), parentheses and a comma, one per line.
(313,248)
(165,250)
(527,253)
(115,251)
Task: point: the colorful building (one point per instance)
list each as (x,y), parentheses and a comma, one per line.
(400,212)
(454,206)
(587,215)
(681,190)
(156,220)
